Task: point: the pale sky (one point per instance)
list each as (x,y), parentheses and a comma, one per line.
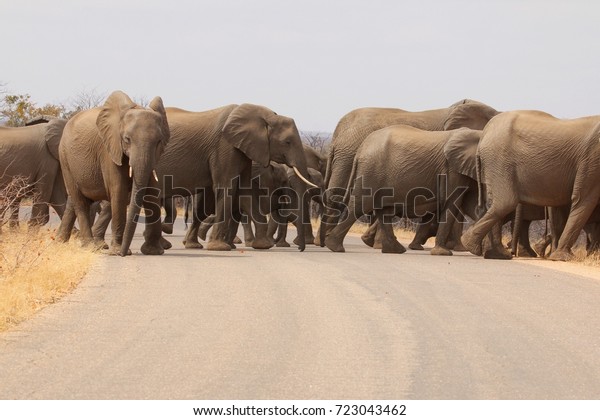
(311,60)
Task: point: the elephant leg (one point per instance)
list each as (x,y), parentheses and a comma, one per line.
(118,209)
(368,237)
(446,226)
(581,210)
(389,243)
(280,241)
(334,241)
(472,239)
(524,247)
(332,212)
(248,233)
(153,240)
(203,204)
(223,212)
(492,245)
(170,216)
(272,227)
(205,227)
(423,233)
(592,235)
(67,222)
(261,239)
(101,224)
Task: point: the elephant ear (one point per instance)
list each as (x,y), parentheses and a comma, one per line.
(156,105)
(246,129)
(109,123)
(470,114)
(54,130)
(461,152)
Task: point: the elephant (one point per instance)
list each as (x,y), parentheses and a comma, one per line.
(273,177)
(110,153)
(355,126)
(403,171)
(31,154)
(210,154)
(535,158)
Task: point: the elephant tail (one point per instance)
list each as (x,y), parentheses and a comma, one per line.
(351,182)
(480,199)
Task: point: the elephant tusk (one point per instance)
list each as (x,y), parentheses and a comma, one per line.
(154,174)
(302,178)
(130,172)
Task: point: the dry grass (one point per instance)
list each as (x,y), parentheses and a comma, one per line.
(592,260)
(36,271)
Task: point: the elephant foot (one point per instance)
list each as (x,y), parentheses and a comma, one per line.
(457,246)
(497,254)
(100,243)
(167,228)
(416,246)
(282,244)
(152,249)
(525,251)
(237,240)
(470,243)
(440,250)
(368,240)
(216,245)
(116,250)
(334,245)
(262,243)
(165,243)
(393,248)
(192,245)
(560,255)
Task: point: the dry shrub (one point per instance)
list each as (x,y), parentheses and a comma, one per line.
(582,257)
(35,271)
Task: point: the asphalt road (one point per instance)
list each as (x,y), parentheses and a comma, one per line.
(281,324)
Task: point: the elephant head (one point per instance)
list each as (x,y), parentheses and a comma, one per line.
(264,136)
(470,114)
(140,135)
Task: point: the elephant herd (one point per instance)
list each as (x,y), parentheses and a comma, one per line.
(247,163)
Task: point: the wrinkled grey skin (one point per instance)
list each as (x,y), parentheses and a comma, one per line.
(355,126)
(534,158)
(99,149)
(213,151)
(402,160)
(32,154)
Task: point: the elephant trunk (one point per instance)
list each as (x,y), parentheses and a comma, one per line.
(141,174)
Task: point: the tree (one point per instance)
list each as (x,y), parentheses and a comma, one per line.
(317,140)
(16,110)
(85,99)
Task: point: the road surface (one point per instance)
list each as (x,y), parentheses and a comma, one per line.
(281,324)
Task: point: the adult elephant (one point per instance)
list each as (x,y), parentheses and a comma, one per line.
(106,153)
(30,154)
(355,126)
(534,158)
(397,172)
(211,152)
